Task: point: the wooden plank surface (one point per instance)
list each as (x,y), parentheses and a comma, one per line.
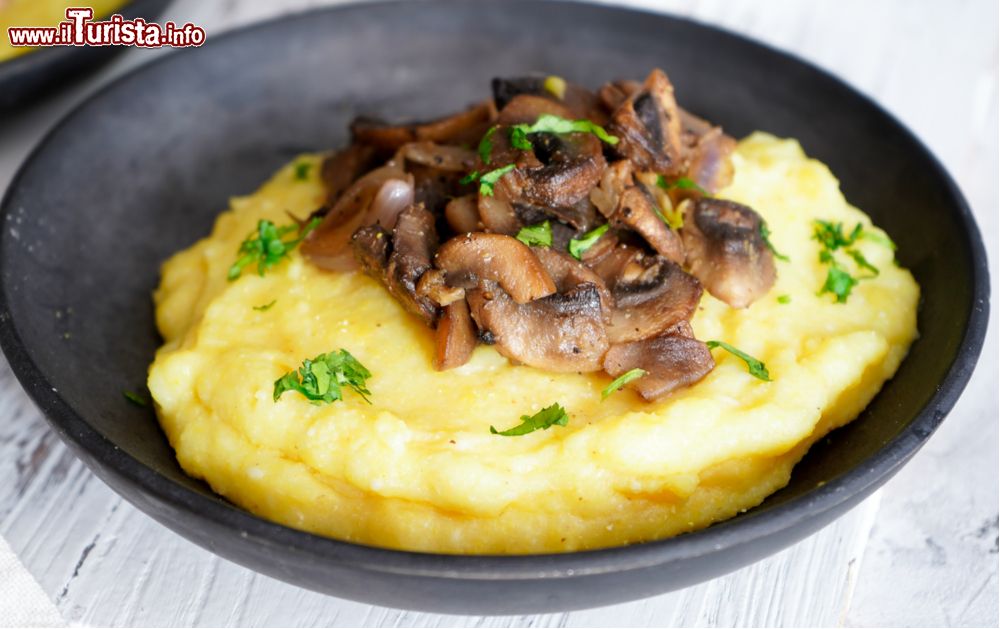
(922,552)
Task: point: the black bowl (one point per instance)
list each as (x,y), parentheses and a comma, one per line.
(44,70)
(142,168)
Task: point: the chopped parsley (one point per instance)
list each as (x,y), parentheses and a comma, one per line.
(839,282)
(684,183)
(265,307)
(784,299)
(544,419)
(578,245)
(267,245)
(302,171)
(135,398)
(756,368)
(621,381)
(320,379)
(469,178)
(536,235)
(549,123)
(488,180)
(765,235)
(486,146)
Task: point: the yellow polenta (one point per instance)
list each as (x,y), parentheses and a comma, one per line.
(418,468)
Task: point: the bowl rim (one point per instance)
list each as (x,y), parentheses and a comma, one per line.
(722,536)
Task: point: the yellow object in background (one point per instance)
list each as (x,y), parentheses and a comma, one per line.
(43,13)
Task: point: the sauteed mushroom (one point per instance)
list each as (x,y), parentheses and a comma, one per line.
(726,251)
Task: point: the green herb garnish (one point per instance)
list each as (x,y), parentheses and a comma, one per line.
(862,261)
(765,235)
(536,235)
(684,183)
(320,379)
(486,146)
(469,178)
(621,381)
(549,123)
(488,180)
(756,368)
(135,398)
(831,235)
(839,282)
(267,247)
(265,307)
(554,415)
(784,299)
(578,245)
(302,171)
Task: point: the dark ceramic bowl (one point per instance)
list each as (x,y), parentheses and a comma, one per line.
(45,70)
(141,170)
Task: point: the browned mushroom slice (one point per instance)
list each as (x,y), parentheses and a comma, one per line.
(342,168)
(455,337)
(439,156)
(466,126)
(434,285)
(527,108)
(648,126)
(499,258)
(558,184)
(562,332)
(652,295)
(377,197)
(413,243)
(462,214)
(567,272)
(613,94)
(711,166)
(371,245)
(637,211)
(581,102)
(725,250)
(671,361)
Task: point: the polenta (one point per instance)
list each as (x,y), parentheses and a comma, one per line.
(418,468)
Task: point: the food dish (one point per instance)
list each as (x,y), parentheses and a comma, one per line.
(169,187)
(578,265)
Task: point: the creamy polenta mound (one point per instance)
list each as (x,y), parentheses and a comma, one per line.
(418,469)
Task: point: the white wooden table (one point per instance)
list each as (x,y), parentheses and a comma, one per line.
(923,551)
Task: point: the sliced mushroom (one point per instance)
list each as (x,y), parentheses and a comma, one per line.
(559,183)
(651,296)
(725,250)
(671,361)
(562,332)
(399,261)
(499,258)
(413,243)
(613,94)
(581,102)
(462,214)
(567,272)
(711,166)
(527,108)
(648,127)
(455,337)
(434,285)
(465,126)
(439,156)
(377,197)
(637,211)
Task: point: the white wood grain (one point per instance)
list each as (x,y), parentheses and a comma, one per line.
(927,557)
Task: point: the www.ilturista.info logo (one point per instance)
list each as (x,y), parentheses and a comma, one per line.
(79,29)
